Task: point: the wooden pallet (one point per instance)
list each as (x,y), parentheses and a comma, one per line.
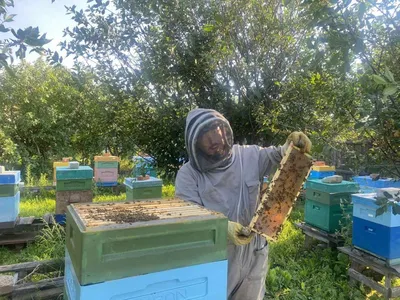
(24,230)
(276,204)
(18,287)
(333,240)
(361,260)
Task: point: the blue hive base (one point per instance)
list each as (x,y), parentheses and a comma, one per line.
(106,184)
(200,282)
(9,208)
(380,240)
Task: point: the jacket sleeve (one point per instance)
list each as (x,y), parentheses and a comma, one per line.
(269,158)
(186,187)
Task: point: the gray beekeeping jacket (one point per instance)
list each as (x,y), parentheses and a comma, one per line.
(231,187)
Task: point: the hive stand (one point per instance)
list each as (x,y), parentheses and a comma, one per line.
(18,287)
(333,240)
(24,230)
(360,260)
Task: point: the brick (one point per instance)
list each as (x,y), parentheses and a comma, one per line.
(6,284)
(65,198)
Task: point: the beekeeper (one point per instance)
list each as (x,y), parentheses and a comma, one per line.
(226,178)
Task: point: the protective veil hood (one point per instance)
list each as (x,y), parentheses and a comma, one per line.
(198,122)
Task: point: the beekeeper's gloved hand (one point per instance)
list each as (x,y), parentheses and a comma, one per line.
(299,140)
(236,235)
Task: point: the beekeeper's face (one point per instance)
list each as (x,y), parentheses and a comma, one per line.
(213,142)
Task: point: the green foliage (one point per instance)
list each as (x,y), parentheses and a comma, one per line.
(9,156)
(49,113)
(388,201)
(23,39)
(298,273)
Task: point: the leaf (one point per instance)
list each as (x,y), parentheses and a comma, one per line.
(359,46)
(359,125)
(21,52)
(208,27)
(361,10)
(396,209)
(381,211)
(9,18)
(389,75)
(3,28)
(55,57)
(381,201)
(379,79)
(388,195)
(390,90)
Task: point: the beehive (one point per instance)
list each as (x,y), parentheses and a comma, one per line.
(106,158)
(283,190)
(380,183)
(106,170)
(143,189)
(323,168)
(10,177)
(64,163)
(72,186)
(205,281)
(9,197)
(343,187)
(108,241)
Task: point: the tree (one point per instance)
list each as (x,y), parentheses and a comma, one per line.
(169,57)
(46,113)
(24,39)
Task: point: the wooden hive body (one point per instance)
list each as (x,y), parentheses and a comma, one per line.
(109,241)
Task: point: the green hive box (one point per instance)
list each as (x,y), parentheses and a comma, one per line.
(106,164)
(74,185)
(343,187)
(143,189)
(65,173)
(328,198)
(106,243)
(8,190)
(326,217)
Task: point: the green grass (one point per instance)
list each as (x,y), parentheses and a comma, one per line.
(295,272)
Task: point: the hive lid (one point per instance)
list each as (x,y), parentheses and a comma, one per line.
(106,157)
(118,215)
(134,183)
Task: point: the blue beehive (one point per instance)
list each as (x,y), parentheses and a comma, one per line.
(364,207)
(106,184)
(10,177)
(320,174)
(377,239)
(9,208)
(379,235)
(201,282)
(380,183)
